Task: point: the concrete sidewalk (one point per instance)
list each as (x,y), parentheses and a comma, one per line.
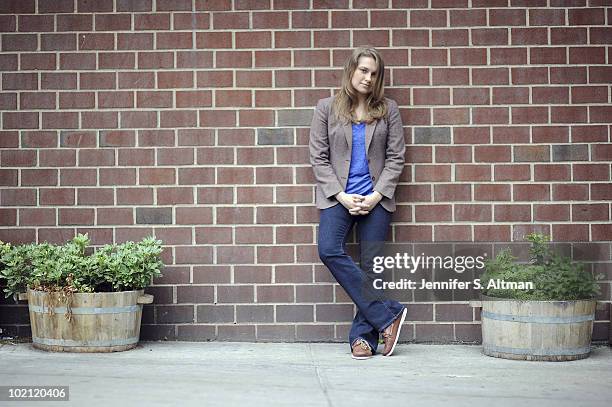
(302,374)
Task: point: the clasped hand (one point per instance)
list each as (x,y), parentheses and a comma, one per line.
(359,204)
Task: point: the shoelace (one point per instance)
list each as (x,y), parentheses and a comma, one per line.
(364,345)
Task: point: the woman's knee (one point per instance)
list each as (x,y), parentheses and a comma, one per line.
(327,252)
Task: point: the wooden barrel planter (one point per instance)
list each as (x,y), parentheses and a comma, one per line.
(537,330)
(100,322)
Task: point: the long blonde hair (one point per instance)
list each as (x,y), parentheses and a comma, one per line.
(345,100)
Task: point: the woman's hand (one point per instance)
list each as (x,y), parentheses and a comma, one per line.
(370,201)
(352,202)
(359,204)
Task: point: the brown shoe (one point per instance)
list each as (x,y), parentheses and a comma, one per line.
(391,334)
(361,349)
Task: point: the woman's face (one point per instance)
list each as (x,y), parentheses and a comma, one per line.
(365,75)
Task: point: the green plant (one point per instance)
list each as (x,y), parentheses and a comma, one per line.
(67,268)
(555,277)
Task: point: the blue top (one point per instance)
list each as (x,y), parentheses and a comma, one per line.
(359,181)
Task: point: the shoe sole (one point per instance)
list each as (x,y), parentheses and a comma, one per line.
(399,328)
(360,357)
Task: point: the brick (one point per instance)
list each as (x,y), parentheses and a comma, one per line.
(38,61)
(546,17)
(479,213)
(505,17)
(19,81)
(432,173)
(230,20)
(589,94)
(570,232)
(155,21)
(175,79)
(550,134)
(213,235)
(591,172)
(457,233)
(529,115)
(254,235)
(193,99)
(334,312)
(8,177)
(488,36)
(280,19)
(234,175)
(258,195)
(531,153)
(599,114)
(37,217)
(190,216)
(39,139)
(235,255)
(587,55)
(470,96)
(491,233)
(600,35)
(570,192)
(274,255)
(212,40)
(490,76)
(552,172)
(570,152)
(453,312)
(428,57)
(569,75)
(468,18)
(590,134)
(512,213)
(593,16)
(294,313)
(19,42)
(452,192)
(18,197)
(473,173)
(215,313)
(94,120)
(95,196)
(532,192)
(427,18)
(529,36)
(440,76)
(492,192)
(433,213)
(38,177)
(254,313)
(453,154)
(189,21)
(57,196)
(252,274)
(174,195)
(431,96)
(235,215)
(525,76)
(115,216)
(274,215)
(551,212)
(512,172)
(508,56)
(590,212)
(601,232)
(57,158)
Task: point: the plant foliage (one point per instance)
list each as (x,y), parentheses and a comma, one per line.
(48,267)
(555,277)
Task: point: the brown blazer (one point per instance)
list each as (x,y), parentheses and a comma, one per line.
(330,153)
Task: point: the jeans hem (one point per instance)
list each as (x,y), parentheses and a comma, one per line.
(385,326)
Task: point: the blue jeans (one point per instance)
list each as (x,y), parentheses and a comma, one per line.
(374,313)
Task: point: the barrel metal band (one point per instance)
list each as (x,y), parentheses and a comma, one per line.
(87,310)
(69,342)
(540,320)
(538,352)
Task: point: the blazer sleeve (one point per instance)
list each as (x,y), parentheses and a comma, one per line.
(394,159)
(325,175)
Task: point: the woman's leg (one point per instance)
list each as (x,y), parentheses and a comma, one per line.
(372,231)
(335,225)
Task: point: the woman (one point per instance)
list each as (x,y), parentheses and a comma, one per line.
(357,154)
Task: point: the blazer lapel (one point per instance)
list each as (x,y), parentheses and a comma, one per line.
(348,133)
(369,134)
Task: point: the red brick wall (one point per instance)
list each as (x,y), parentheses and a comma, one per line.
(189,120)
